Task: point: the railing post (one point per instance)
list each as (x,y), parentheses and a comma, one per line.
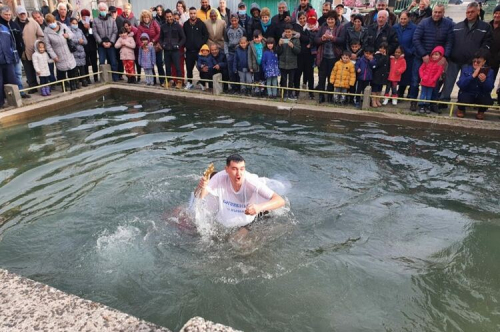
(366,98)
(105,73)
(13,95)
(217,90)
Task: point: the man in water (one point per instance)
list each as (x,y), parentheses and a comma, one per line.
(241,195)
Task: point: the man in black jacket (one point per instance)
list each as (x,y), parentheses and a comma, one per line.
(172,38)
(196,35)
(282,18)
(381,32)
(471,35)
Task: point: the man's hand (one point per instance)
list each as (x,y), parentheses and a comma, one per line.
(288,19)
(482,77)
(290,44)
(204,69)
(425,59)
(252,210)
(216,67)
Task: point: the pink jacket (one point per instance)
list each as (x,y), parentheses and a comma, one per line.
(430,72)
(398,67)
(126,46)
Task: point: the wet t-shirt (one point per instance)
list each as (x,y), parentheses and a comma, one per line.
(232,204)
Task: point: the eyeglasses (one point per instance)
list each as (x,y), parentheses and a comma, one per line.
(477,61)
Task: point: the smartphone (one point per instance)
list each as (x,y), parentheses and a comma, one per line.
(484,70)
(285,40)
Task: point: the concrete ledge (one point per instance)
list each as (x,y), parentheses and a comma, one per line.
(238,103)
(198,324)
(26,305)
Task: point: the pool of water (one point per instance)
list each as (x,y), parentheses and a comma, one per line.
(387,228)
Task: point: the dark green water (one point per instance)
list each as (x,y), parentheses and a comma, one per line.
(389,228)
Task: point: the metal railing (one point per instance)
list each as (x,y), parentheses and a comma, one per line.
(59,82)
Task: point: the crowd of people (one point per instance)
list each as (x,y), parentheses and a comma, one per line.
(397,55)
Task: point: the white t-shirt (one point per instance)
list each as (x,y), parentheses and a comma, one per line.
(232,204)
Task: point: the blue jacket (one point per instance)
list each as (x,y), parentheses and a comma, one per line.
(240,59)
(405,37)
(468,84)
(430,34)
(220,60)
(270,64)
(366,67)
(6,46)
(208,61)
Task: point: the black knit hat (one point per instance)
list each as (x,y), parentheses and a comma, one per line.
(497,9)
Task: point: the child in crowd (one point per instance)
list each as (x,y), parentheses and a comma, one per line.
(256,49)
(429,75)
(233,36)
(343,76)
(288,49)
(240,64)
(78,39)
(364,71)
(41,62)
(270,68)
(380,73)
(356,52)
(147,58)
(397,68)
(126,45)
(205,66)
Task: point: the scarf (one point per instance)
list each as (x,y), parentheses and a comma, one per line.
(265,26)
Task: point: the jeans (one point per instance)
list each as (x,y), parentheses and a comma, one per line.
(426,94)
(110,55)
(19,75)
(30,72)
(7,76)
(450,80)
(271,83)
(245,77)
(191,58)
(233,77)
(415,78)
(172,57)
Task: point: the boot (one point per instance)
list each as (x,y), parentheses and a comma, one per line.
(133,80)
(43,92)
(179,85)
(386,99)
(72,86)
(129,79)
(47,90)
(321,98)
(377,99)
(84,83)
(374,102)
(394,100)
(329,98)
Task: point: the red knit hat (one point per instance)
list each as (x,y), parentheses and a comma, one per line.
(312,18)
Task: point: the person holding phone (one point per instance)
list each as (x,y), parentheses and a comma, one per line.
(476,83)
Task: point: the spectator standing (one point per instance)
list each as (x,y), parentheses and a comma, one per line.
(423,11)
(56,41)
(470,36)
(325,9)
(340,10)
(254,22)
(69,10)
(288,49)
(431,32)
(356,32)
(495,43)
(303,6)
(7,56)
(216,29)
(31,32)
(150,26)
(405,30)
(204,12)
(16,34)
(241,65)
(364,72)
(430,72)
(271,69)
(382,32)
(372,16)
(244,19)
(396,69)
(126,44)
(126,15)
(205,66)
(266,26)
(86,24)
(159,15)
(172,39)
(45,9)
(183,12)
(41,62)
(282,18)
(62,14)
(305,59)
(256,49)
(147,57)
(233,37)
(78,39)
(196,36)
(38,17)
(343,77)
(105,34)
(380,73)
(225,13)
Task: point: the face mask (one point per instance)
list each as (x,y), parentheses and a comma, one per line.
(74,26)
(242,12)
(103,13)
(52,25)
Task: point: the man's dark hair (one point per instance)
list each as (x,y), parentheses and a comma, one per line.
(168,11)
(383,45)
(288,27)
(346,52)
(192,8)
(368,49)
(234,157)
(355,41)
(332,14)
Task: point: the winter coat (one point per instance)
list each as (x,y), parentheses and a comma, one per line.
(397,68)
(430,34)
(220,60)
(252,56)
(417,16)
(495,46)
(370,18)
(338,42)
(297,10)
(147,59)
(79,54)
(126,47)
(351,34)
(220,30)
(405,37)
(57,47)
(105,27)
(205,15)
(288,55)
(153,31)
(343,75)
(270,31)
(387,35)
(91,43)
(31,33)
(468,42)
(226,18)
(6,45)
(41,61)
(431,72)
(172,36)
(120,20)
(306,39)
(270,64)
(196,35)
(279,22)
(208,61)
(233,37)
(240,61)
(381,69)
(468,84)
(366,67)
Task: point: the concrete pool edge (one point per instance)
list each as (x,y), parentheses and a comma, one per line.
(27,305)
(476,127)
